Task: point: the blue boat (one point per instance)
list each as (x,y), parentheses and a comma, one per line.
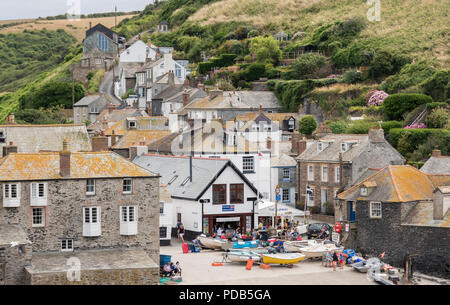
(245,244)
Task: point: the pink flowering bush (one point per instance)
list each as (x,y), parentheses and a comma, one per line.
(331,76)
(377,98)
(414,126)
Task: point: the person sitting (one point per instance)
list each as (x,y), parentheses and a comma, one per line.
(167,270)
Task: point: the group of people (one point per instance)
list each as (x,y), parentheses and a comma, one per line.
(222,232)
(334,258)
(171,269)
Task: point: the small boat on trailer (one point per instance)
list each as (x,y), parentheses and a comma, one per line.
(212,243)
(361,266)
(282,258)
(317,251)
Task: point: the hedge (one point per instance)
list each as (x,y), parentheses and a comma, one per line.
(396,105)
(223,60)
(415,137)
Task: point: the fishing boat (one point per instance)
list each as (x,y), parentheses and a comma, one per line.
(212,243)
(243,256)
(316,251)
(282,258)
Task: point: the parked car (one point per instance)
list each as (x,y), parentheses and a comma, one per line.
(315,228)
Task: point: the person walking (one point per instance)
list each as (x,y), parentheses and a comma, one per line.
(181,233)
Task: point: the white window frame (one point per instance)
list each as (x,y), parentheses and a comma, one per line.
(324,178)
(246,167)
(375,209)
(67,245)
(288,171)
(310,197)
(92,226)
(132,127)
(87,187)
(128,224)
(36,197)
(344,147)
(310,173)
(123,186)
(42,223)
(323,193)
(10,201)
(337,174)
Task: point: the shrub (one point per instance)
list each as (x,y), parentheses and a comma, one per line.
(359,127)
(386,63)
(438,85)
(396,105)
(388,125)
(377,98)
(434,105)
(252,33)
(266,49)
(352,76)
(338,126)
(437,118)
(407,141)
(309,63)
(307,125)
(410,75)
(53,94)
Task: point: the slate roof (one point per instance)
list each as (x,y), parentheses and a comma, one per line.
(101,28)
(34,138)
(83,165)
(395,183)
(106,119)
(437,166)
(142,123)
(237,100)
(89,99)
(283,160)
(204,173)
(12,233)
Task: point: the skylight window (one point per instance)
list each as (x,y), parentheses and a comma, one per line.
(185,181)
(173,179)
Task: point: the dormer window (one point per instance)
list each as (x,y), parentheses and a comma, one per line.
(344,147)
(319,146)
(364,191)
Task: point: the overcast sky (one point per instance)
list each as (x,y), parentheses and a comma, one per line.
(23,9)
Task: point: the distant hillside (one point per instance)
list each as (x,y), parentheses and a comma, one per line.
(416,27)
(77,28)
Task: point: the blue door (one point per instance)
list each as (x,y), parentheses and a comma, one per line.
(352,211)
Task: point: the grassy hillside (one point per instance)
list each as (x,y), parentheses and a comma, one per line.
(76,28)
(417,27)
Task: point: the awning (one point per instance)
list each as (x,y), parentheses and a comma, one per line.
(227,219)
(268,209)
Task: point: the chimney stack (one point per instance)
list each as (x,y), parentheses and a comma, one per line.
(99,144)
(269,143)
(139,150)
(200,86)
(260,109)
(186,83)
(11,119)
(9,149)
(171,78)
(215,93)
(64,160)
(185,97)
(298,143)
(436,153)
(376,135)
(323,131)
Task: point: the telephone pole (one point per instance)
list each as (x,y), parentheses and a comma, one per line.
(115,16)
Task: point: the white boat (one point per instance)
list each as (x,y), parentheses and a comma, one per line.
(212,243)
(294,246)
(243,256)
(316,251)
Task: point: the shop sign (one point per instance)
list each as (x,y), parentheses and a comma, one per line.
(228,208)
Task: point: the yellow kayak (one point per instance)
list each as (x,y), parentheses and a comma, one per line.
(283,258)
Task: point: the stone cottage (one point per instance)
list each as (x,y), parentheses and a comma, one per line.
(99,47)
(77,218)
(401,211)
(337,161)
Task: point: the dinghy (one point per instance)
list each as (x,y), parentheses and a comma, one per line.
(245,244)
(243,256)
(316,251)
(212,243)
(282,258)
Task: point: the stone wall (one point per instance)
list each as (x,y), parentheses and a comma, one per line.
(64,215)
(12,263)
(388,234)
(141,276)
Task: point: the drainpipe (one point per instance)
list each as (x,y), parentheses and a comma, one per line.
(190,168)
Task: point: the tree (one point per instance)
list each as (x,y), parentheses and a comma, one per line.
(266,49)
(309,63)
(53,94)
(307,125)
